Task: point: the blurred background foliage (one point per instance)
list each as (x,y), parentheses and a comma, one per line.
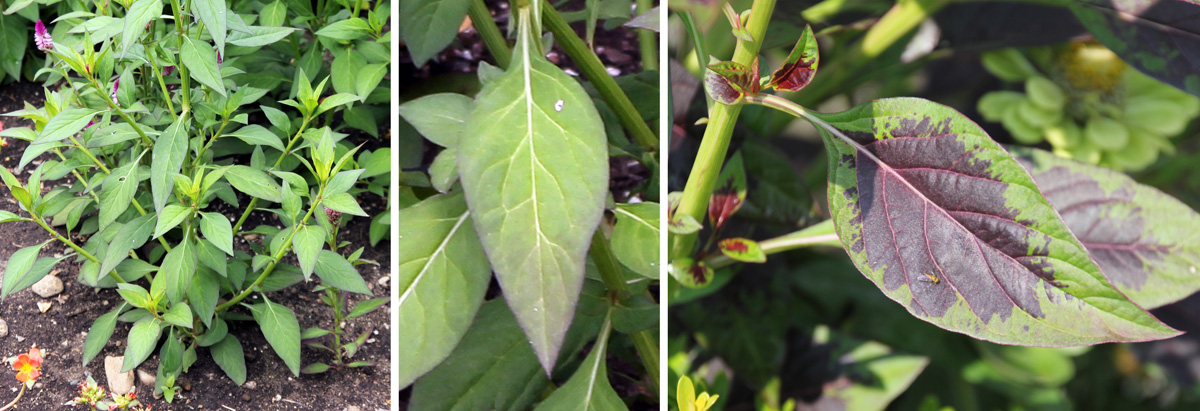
(806,330)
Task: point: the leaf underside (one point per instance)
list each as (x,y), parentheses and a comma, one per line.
(534,166)
(922,191)
(1159,38)
(1146,242)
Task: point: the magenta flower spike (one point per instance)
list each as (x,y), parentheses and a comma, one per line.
(41,37)
(116,84)
(168,70)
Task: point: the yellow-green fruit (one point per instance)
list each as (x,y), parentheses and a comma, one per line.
(1020,129)
(1137,155)
(993,105)
(1044,93)
(1106,133)
(1036,116)
(1066,134)
(1157,115)
(1008,64)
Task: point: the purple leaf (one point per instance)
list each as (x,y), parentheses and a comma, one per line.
(1146,242)
(800,66)
(917,190)
(1159,37)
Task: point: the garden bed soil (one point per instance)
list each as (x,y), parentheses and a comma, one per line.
(61,330)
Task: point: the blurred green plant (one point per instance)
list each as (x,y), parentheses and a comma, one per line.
(1088,105)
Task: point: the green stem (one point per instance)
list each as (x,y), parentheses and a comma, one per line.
(610,270)
(73,246)
(647,349)
(819,234)
(162,85)
(610,273)
(113,105)
(595,72)
(134,202)
(721,120)
(481,18)
(185,99)
(648,43)
(274,260)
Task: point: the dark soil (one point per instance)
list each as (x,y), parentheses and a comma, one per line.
(270,385)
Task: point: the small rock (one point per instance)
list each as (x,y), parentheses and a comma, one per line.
(186,384)
(43,306)
(384,280)
(246,397)
(48,286)
(3,328)
(353,408)
(118,382)
(250,385)
(146,377)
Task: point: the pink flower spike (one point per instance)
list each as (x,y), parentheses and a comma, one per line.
(116,84)
(168,70)
(41,37)
(90,123)
(220,58)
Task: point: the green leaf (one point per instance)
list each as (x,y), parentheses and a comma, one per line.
(253,182)
(256,135)
(635,237)
(201,62)
(998,264)
(428,26)
(438,117)
(493,367)
(8,217)
(1145,241)
(140,13)
(334,101)
(315,368)
(66,124)
(365,307)
(536,133)
(229,356)
(18,269)
(134,294)
(212,14)
(349,29)
(171,216)
(845,359)
(98,335)
(282,331)
(180,314)
(307,244)
(443,276)
(215,333)
(259,36)
(167,159)
(588,388)
(335,271)
(742,249)
(443,173)
(132,235)
(273,14)
(344,203)
(216,229)
(177,270)
(368,78)
(118,190)
(202,295)
(683,224)
(143,337)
